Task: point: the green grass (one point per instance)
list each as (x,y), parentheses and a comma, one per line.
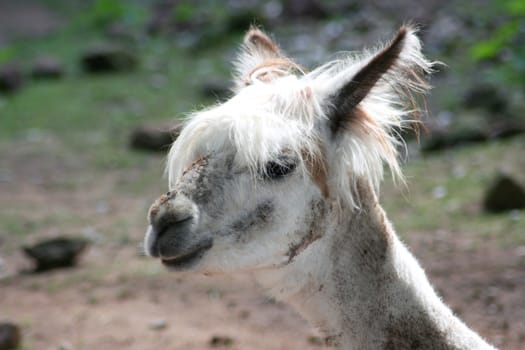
(94,115)
(16,224)
(96,103)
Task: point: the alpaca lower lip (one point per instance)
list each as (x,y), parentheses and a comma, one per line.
(187,260)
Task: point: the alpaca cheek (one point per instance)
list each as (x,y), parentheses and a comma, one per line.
(254,221)
(313,229)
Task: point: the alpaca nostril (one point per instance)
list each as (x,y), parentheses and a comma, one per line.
(168,224)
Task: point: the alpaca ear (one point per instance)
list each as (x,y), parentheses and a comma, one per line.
(260,59)
(394,69)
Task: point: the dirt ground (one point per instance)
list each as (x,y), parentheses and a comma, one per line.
(118,299)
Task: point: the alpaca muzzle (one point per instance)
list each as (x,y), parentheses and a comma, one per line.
(170,235)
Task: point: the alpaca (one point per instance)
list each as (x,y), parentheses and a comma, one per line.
(281,181)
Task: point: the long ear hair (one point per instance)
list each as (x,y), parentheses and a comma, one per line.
(365,98)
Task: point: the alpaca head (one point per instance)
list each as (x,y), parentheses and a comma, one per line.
(256,179)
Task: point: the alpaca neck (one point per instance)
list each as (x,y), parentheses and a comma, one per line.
(364,290)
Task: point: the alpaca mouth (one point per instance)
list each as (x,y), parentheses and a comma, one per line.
(188,260)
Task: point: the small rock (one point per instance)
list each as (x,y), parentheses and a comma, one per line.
(486,97)
(158,325)
(520,251)
(220,340)
(442,140)
(314,340)
(108,58)
(439,192)
(65,346)
(214,293)
(10,336)
(515,215)
(11,77)
(47,67)
(120,31)
(504,194)
(506,128)
(153,138)
(102,207)
(56,253)
(244,314)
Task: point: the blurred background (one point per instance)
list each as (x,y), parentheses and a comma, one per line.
(90,95)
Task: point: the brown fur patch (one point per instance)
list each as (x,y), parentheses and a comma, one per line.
(153,211)
(199,162)
(274,64)
(364,123)
(162,200)
(318,170)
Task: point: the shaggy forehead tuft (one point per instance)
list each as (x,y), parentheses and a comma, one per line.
(256,125)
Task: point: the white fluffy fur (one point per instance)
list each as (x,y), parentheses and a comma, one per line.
(259,122)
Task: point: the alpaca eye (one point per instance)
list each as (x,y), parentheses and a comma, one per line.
(275,170)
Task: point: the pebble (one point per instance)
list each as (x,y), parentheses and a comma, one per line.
(439,192)
(158,325)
